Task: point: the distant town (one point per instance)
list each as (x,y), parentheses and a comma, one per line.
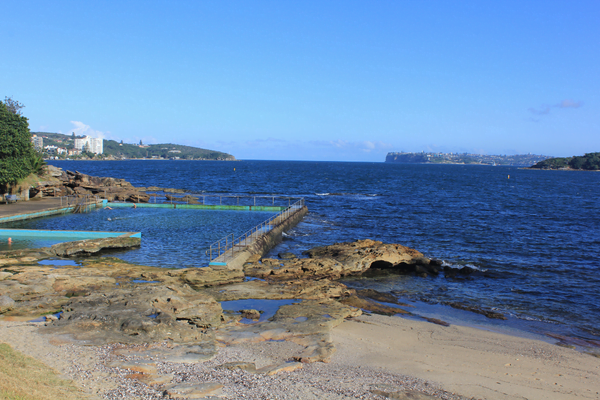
(71,147)
(521,160)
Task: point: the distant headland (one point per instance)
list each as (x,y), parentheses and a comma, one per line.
(587,162)
(520,160)
(60,146)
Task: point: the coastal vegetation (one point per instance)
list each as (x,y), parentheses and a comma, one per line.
(587,162)
(118,150)
(162,151)
(463,158)
(17,156)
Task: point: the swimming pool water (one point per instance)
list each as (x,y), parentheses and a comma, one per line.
(173,238)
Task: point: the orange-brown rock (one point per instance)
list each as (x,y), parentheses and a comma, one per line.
(338,260)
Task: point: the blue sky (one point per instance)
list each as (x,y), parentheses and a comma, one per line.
(311,80)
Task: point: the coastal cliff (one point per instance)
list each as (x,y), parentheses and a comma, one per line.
(521,160)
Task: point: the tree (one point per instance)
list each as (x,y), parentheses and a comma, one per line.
(37,164)
(577,162)
(12,105)
(16,151)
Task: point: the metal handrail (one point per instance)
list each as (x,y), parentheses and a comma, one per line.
(233,245)
(185,197)
(81,204)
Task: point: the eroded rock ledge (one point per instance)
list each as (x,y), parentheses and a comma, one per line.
(68,183)
(343,259)
(105,300)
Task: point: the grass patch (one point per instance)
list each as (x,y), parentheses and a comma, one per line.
(25,378)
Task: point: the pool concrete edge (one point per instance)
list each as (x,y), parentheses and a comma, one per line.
(263,244)
(20,216)
(196,207)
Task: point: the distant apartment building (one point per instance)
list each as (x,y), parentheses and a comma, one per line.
(54,150)
(38,142)
(87,143)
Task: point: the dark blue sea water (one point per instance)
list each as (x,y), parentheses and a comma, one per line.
(536,234)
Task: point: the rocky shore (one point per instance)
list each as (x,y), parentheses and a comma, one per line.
(126,331)
(57,182)
(156,333)
(156,315)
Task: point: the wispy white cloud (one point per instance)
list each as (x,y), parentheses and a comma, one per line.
(540,111)
(546,109)
(276,148)
(569,104)
(365,145)
(81,129)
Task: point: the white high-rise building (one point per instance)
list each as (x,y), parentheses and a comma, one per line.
(79,143)
(38,142)
(95,145)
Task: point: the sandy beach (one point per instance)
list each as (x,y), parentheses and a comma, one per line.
(469,361)
(377,357)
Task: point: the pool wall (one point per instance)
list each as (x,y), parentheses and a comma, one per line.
(72,235)
(197,207)
(264,243)
(43,213)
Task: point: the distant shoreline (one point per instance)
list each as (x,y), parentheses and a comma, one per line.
(134,159)
(560,169)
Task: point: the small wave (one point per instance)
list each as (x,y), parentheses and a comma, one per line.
(348,194)
(295,234)
(460,266)
(525,317)
(476,267)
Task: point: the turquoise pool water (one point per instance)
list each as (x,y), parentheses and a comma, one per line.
(172,238)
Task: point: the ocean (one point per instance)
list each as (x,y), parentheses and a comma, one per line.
(532,236)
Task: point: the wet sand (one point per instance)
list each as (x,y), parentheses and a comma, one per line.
(373,352)
(469,361)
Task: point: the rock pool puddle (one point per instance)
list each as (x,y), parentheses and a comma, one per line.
(43,317)
(267,308)
(59,263)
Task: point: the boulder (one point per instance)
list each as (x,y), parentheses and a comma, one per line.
(92,246)
(191,390)
(342,259)
(372,306)
(6,304)
(4,275)
(63,183)
(141,314)
(207,276)
(296,289)
(286,256)
(250,314)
